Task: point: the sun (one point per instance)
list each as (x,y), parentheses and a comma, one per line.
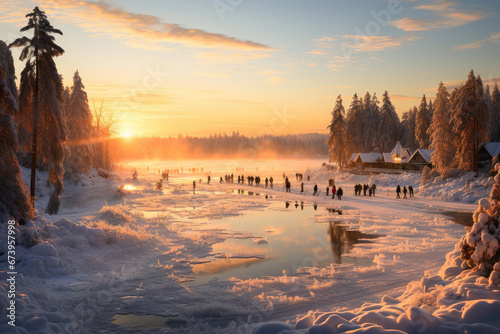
(127,134)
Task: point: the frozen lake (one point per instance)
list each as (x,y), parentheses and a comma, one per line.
(237,254)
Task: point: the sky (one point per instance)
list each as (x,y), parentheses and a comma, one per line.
(200,67)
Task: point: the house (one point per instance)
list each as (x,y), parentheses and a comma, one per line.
(398,154)
(420,159)
(486,153)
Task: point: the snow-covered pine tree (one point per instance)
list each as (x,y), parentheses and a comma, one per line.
(42,115)
(336,141)
(66,96)
(79,120)
(389,124)
(441,133)
(14,195)
(423,121)
(370,124)
(355,133)
(471,121)
(495,114)
(408,129)
(487,100)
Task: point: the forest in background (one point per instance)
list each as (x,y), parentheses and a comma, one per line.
(235,145)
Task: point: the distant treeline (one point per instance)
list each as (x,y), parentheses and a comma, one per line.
(221,146)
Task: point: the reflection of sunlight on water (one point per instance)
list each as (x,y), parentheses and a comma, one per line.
(129,187)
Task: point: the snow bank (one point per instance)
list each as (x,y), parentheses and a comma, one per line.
(463,188)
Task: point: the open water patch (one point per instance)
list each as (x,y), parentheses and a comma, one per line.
(286,241)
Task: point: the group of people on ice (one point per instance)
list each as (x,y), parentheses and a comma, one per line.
(405,191)
(365,188)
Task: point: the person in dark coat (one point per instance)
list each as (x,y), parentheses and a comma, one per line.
(404,192)
(327,191)
(398,191)
(374,187)
(410,188)
(340,192)
(302,187)
(271,181)
(315,190)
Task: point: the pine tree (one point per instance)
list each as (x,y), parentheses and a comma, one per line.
(495,114)
(370,119)
(355,126)
(389,125)
(336,142)
(375,114)
(441,132)
(431,108)
(471,121)
(14,200)
(79,120)
(42,115)
(423,122)
(487,100)
(408,129)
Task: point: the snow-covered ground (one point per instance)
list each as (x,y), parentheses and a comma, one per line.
(230,257)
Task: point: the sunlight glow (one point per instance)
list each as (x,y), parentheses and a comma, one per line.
(127,134)
(129,187)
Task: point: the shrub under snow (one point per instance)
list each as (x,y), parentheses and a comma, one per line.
(480,246)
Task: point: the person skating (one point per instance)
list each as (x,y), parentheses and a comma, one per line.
(302,187)
(404,192)
(398,191)
(327,191)
(334,191)
(315,189)
(410,188)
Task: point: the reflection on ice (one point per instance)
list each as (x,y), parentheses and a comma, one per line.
(343,240)
(293,241)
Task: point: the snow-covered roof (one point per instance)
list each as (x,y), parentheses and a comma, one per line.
(353,157)
(424,153)
(399,151)
(493,148)
(369,157)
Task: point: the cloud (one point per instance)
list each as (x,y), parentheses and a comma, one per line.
(494,38)
(317,52)
(445,15)
(404,98)
(275,79)
(212,75)
(131,28)
(324,42)
(226,56)
(363,43)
